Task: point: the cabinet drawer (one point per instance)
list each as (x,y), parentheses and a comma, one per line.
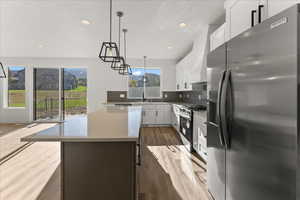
(163,107)
(149,107)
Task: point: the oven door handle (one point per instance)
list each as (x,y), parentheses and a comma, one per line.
(220,130)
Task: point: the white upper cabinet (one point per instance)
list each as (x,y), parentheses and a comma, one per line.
(242,14)
(276,6)
(192,68)
(217,38)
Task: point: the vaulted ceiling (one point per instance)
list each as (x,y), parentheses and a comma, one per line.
(48,28)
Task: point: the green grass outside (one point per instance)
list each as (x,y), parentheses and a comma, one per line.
(78,89)
(74,99)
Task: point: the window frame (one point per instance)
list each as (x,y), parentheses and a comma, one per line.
(6,86)
(146,97)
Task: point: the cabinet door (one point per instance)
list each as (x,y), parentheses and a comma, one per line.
(240,16)
(149,117)
(218,37)
(178,77)
(163,117)
(276,6)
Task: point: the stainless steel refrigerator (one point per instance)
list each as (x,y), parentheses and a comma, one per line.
(253,98)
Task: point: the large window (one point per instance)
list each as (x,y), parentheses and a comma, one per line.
(16,87)
(144,82)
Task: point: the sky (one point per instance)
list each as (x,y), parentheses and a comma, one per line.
(140,71)
(14,68)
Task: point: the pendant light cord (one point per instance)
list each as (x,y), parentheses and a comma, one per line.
(120,15)
(110,36)
(125,56)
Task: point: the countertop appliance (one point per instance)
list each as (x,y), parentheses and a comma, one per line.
(253,94)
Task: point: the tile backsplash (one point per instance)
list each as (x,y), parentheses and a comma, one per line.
(194,97)
(117,96)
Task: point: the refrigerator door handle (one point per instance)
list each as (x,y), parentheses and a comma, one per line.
(224,112)
(219,108)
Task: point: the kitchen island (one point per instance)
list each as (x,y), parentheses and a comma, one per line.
(99,153)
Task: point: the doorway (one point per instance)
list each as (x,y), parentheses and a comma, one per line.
(59,93)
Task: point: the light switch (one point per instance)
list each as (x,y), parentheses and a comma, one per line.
(166,96)
(199,97)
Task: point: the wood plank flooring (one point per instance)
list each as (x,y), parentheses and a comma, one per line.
(24,176)
(168,171)
(10,135)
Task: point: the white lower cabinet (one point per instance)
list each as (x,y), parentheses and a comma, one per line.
(149,117)
(157,114)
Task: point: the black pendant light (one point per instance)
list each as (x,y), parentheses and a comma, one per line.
(118,63)
(126,69)
(2,72)
(109,50)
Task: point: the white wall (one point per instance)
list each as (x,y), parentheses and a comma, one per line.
(100,79)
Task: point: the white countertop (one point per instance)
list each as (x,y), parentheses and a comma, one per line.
(108,124)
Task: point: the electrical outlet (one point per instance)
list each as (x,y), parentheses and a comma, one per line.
(180,96)
(122,96)
(166,96)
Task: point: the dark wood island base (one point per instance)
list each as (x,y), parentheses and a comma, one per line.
(98,170)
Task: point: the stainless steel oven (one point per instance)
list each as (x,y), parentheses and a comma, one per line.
(186,126)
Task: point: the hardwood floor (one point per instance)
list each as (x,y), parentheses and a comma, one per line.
(10,135)
(168,171)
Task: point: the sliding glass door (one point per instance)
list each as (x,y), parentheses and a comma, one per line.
(59,93)
(47,94)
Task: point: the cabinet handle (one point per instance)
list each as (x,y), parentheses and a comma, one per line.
(260,7)
(253,12)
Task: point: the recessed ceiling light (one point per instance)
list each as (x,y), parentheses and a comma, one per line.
(85,22)
(182,25)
